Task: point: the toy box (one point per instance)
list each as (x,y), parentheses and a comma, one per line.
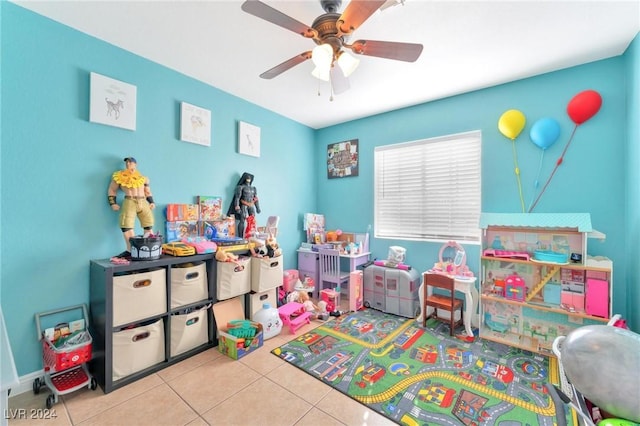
(210,207)
(180,212)
(225,313)
(223,228)
(176,231)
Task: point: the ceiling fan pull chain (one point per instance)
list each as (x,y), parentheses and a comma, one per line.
(330,89)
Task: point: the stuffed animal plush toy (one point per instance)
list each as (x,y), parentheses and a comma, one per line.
(226,256)
(273,249)
(257,247)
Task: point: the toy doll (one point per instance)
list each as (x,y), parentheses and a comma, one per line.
(227,256)
(138,201)
(309,306)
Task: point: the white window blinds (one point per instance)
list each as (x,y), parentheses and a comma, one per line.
(429,189)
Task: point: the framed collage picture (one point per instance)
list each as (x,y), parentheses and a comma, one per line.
(342,159)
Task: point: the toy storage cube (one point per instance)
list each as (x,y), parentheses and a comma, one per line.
(289,279)
(266,273)
(188,284)
(138,296)
(137,348)
(256,300)
(551,293)
(190,330)
(233,279)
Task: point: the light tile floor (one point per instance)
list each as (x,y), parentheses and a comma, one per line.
(211,389)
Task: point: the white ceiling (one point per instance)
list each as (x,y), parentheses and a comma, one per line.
(468,45)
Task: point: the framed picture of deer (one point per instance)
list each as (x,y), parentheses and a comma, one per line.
(112,102)
(195,124)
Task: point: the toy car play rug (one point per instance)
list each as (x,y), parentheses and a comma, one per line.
(414,375)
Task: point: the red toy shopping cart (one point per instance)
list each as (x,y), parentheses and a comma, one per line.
(66,350)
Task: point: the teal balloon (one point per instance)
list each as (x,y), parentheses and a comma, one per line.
(545,132)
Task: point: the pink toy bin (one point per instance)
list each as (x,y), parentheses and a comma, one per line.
(290,277)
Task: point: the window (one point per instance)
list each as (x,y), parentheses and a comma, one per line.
(429,189)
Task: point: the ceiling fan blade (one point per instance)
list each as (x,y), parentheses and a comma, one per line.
(356,12)
(286,65)
(408,52)
(339,83)
(268,13)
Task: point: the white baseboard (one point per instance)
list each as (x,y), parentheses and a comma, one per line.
(26,383)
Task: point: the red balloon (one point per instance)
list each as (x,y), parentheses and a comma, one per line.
(584,105)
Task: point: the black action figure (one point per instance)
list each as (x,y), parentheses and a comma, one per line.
(245,202)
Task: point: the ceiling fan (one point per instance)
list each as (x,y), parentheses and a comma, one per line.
(330,31)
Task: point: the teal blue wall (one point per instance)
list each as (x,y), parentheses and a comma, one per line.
(632,179)
(589,179)
(55,218)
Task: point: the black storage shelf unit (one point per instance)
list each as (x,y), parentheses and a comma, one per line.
(102,273)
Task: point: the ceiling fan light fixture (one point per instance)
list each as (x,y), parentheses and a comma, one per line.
(348,63)
(321,73)
(322,56)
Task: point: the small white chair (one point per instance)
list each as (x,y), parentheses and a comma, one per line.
(329,273)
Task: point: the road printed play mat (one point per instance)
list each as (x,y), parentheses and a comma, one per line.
(417,376)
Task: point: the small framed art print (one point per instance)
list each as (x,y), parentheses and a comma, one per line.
(112,102)
(195,124)
(248,139)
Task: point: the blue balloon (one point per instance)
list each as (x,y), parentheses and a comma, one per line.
(545,132)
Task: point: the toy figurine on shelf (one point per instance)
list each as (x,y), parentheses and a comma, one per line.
(273,249)
(250,229)
(138,201)
(245,201)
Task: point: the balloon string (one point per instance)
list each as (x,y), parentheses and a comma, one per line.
(536,184)
(517,171)
(554,169)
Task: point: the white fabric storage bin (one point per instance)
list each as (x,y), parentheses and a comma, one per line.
(135,349)
(188,284)
(256,300)
(139,296)
(233,278)
(266,273)
(190,330)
